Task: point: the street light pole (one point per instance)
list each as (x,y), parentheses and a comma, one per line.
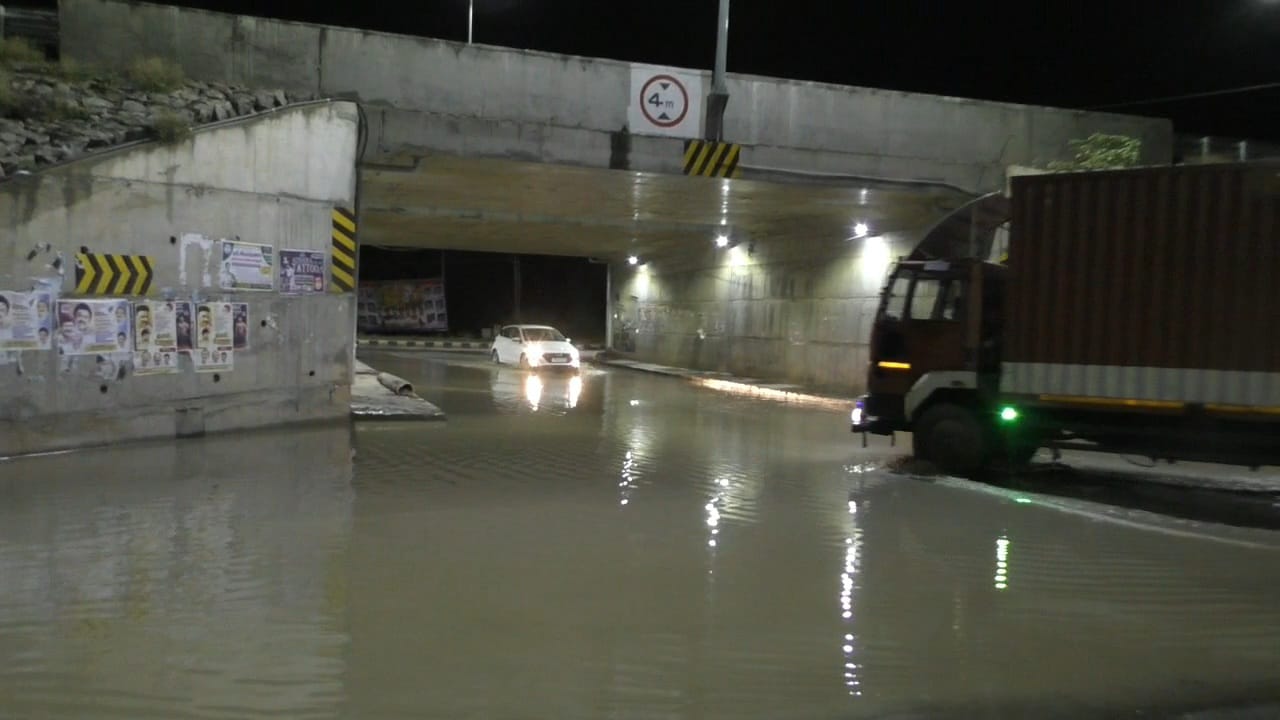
(471,15)
(719,97)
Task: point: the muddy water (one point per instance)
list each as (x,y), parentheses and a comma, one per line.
(622,547)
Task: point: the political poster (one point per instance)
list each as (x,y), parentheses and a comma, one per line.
(240,326)
(26,321)
(246,266)
(402,306)
(214,350)
(155,341)
(94,327)
(301,272)
(184,323)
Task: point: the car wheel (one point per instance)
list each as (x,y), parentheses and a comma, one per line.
(494,355)
(524,361)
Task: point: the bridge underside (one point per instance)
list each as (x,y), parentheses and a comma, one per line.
(450,202)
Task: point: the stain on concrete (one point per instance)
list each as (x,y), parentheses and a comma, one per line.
(620,149)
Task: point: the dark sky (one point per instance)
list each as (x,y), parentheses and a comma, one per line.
(1080,54)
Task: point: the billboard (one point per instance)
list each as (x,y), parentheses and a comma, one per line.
(402,306)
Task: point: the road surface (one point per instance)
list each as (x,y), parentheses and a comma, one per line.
(626,547)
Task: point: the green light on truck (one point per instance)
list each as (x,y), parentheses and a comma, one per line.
(1008,414)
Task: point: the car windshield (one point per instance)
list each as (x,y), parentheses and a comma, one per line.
(542,335)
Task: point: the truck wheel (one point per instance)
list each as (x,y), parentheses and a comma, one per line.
(952,438)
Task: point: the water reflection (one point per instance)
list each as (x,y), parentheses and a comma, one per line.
(1002,563)
(177,580)
(848,585)
(533,390)
(523,391)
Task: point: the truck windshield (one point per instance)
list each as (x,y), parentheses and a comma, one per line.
(977,230)
(918,295)
(895,303)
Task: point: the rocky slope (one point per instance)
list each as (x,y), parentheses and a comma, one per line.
(49,114)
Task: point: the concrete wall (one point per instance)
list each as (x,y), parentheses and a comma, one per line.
(797,311)
(271,180)
(432,95)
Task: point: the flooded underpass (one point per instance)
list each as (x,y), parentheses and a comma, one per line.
(619,546)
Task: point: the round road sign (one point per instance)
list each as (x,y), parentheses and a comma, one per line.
(664,101)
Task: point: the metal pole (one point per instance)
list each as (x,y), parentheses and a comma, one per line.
(471,15)
(608,306)
(515,281)
(719,97)
(722,49)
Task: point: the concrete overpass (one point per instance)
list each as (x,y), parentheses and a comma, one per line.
(486,148)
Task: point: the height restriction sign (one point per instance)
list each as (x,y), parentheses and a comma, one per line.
(665,101)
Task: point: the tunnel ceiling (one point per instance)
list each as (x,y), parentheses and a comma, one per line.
(446,202)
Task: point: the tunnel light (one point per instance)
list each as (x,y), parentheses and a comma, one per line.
(737,258)
(633,260)
(861,230)
(722,241)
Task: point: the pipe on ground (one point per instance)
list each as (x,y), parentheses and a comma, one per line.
(397,385)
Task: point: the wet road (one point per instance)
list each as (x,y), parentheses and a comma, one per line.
(631,547)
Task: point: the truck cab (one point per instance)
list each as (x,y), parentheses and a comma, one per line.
(935,344)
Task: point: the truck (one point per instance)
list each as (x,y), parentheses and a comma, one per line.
(1132,311)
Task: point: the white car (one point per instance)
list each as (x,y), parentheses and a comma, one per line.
(534,346)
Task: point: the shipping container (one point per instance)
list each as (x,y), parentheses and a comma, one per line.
(1154,284)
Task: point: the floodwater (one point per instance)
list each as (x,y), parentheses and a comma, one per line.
(624,547)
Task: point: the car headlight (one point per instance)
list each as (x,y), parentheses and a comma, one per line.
(856,415)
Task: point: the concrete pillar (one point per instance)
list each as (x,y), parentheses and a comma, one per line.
(608,308)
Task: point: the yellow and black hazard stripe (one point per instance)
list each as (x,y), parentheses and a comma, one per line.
(710,158)
(108,274)
(343,253)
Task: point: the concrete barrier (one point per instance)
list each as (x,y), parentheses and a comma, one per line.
(426,95)
(272,180)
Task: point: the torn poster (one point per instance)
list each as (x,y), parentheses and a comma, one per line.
(240,329)
(182,322)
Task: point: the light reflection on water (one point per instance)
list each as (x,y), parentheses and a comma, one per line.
(685,555)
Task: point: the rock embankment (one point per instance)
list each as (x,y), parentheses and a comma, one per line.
(50,113)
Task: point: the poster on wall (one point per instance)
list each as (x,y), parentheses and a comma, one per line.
(155,341)
(402,306)
(240,326)
(183,323)
(246,266)
(301,272)
(214,351)
(94,327)
(26,321)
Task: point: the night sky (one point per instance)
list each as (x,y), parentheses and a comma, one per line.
(1077,54)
